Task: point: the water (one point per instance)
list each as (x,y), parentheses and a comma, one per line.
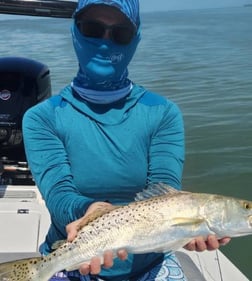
(202,60)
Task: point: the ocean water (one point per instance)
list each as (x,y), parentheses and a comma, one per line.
(202,60)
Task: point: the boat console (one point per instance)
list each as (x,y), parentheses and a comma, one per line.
(23,83)
(24,219)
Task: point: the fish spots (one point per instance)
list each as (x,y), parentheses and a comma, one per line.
(22,270)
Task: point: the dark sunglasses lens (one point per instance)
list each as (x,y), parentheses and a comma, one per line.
(91,29)
(122,34)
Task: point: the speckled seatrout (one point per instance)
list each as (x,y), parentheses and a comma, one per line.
(161,220)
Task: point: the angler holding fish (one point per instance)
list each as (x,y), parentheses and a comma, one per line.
(96,144)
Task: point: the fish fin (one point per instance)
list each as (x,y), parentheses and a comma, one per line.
(57,244)
(75,266)
(96,214)
(20,270)
(187,221)
(72,268)
(173,246)
(158,189)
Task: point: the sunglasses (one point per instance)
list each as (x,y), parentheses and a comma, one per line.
(121,34)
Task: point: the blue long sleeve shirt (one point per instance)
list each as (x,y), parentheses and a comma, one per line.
(80,153)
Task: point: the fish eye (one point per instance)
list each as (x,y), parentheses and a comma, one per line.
(247,205)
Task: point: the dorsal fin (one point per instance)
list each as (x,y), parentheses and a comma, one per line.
(57,244)
(153,190)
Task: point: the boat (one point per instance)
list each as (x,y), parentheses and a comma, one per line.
(43,8)
(24,218)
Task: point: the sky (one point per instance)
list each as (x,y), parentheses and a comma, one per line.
(161,5)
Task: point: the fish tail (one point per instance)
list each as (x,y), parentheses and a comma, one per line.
(20,270)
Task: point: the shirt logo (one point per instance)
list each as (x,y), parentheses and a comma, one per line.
(116,58)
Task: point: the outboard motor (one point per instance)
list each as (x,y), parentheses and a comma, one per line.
(23,83)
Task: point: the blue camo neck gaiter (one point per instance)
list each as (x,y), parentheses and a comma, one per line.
(102,63)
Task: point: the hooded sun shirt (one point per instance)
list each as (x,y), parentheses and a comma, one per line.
(103,76)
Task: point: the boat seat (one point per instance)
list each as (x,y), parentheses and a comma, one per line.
(23,83)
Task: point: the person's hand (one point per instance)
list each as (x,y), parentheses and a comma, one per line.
(199,244)
(95,265)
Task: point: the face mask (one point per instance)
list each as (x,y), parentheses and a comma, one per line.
(103,64)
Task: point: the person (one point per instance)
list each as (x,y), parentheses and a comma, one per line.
(104,138)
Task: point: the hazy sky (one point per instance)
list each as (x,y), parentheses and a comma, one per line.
(159,5)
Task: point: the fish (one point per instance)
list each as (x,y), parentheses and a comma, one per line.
(161,219)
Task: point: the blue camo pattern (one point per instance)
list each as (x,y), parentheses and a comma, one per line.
(169,270)
(129,8)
